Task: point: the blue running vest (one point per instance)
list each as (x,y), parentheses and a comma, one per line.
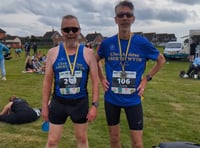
(69,86)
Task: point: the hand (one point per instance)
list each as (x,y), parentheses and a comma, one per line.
(45,113)
(105,84)
(140,90)
(91,116)
(142,86)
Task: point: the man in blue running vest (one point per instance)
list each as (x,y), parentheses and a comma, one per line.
(69,65)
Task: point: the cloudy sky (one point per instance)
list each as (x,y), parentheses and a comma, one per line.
(35,17)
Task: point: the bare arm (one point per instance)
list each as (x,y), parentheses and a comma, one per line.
(159,63)
(6,108)
(47,82)
(103,80)
(91,61)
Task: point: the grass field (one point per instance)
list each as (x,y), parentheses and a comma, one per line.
(171,110)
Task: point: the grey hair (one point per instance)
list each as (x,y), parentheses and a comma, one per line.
(125,3)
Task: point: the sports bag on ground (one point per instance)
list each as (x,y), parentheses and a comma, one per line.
(177,145)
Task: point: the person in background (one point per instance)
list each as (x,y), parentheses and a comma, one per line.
(193,46)
(18,111)
(29,67)
(125,57)
(18,52)
(193,68)
(35,48)
(38,66)
(69,65)
(2,60)
(27,47)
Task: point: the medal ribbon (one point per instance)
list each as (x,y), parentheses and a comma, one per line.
(120,51)
(68,59)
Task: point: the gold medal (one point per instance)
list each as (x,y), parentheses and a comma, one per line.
(123,74)
(122,62)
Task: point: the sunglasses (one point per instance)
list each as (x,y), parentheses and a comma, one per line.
(121,15)
(68,29)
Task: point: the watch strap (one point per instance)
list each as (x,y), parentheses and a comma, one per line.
(149,77)
(95,104)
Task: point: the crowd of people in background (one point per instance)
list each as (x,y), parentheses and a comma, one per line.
(34,63)
(18,110)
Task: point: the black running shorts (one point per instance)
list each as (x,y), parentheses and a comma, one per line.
(60,109)
(134,115)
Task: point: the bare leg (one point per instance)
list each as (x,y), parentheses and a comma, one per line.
(55,132)
(136,138)
(114,132)
(81,135)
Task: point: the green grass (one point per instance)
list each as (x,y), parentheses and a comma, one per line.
(171,110)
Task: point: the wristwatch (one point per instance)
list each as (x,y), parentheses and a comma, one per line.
(95,104)
(149,77)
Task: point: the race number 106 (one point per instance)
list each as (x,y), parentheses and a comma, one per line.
(124,81)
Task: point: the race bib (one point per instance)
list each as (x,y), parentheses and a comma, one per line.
(123,82)
(69,84)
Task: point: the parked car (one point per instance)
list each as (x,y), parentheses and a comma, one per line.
(175,50)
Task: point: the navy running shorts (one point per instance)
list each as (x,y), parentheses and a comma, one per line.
(134,115)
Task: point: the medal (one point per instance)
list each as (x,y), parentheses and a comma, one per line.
(122,62)
(123,74)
